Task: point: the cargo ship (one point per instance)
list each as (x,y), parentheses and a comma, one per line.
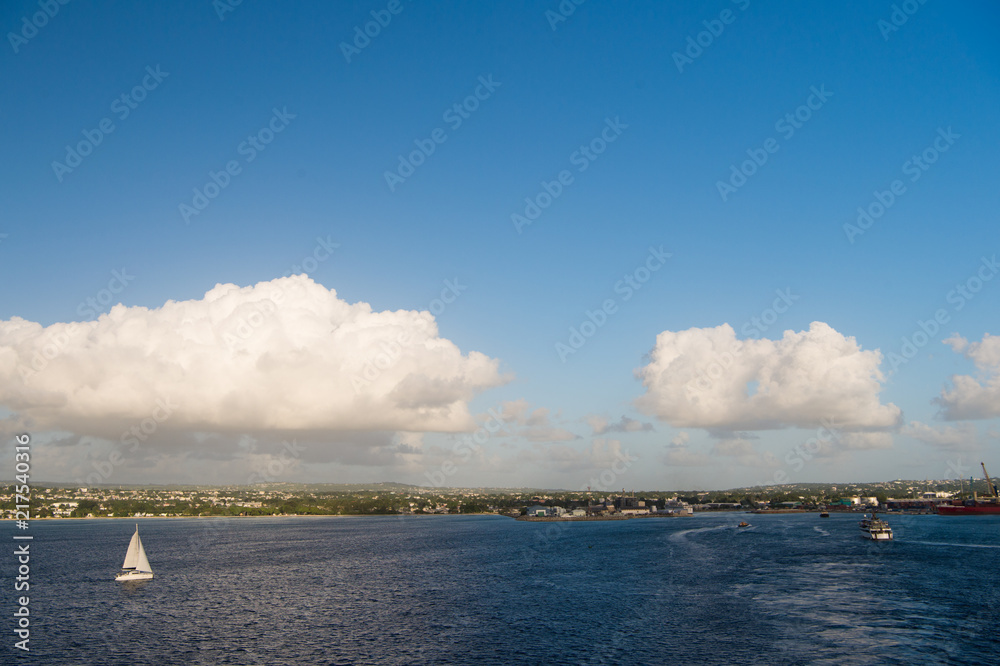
(974,506)
(969,508)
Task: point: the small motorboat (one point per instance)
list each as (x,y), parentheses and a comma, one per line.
(824,514)
(743,524)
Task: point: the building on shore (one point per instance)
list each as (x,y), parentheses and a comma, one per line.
(624,504)
(541,511)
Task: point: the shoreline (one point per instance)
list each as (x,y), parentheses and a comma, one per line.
(274,515)
(556,519)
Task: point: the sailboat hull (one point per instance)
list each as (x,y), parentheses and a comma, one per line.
(134,575)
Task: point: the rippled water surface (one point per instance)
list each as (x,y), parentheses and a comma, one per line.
(790,589)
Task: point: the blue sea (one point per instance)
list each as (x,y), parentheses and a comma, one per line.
(790,589)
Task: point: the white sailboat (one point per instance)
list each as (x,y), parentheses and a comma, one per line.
(136,566)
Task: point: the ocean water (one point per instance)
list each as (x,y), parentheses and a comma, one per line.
(790,589)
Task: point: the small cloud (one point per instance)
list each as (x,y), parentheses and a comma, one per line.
(408,443)
(601,454)
(533,424)
(960,437)
(682,457)
(733,448)
(743,452)
(973,398)
(602,426)
(864,441)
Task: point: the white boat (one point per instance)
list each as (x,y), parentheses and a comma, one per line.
(675,508)
(876,529)
(136,566)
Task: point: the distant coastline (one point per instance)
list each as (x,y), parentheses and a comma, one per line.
(275,515)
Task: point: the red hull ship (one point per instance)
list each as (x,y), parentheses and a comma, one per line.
(974,507)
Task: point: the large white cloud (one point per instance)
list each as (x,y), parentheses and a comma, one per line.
(706,378)
(972,398)
(284,355)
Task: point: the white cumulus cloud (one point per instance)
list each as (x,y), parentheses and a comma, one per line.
(706,378)
(284,355)
(972,398)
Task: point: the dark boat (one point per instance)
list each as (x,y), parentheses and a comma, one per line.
(824,514)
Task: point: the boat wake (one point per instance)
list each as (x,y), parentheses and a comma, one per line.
(683,534)
(960,545)
(821,530)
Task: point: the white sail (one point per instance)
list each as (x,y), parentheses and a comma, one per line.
(136,566)
(132,554)
(142,564)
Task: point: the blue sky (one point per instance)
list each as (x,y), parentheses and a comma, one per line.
(886,96)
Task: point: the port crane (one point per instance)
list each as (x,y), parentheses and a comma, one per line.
(992,487)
